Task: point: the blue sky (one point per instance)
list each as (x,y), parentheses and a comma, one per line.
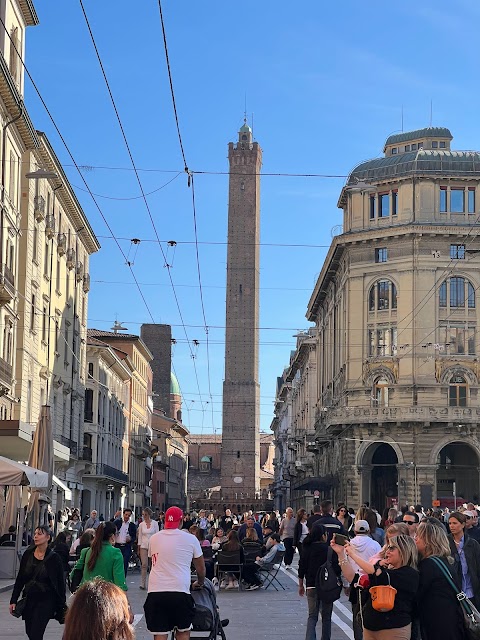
(326,83)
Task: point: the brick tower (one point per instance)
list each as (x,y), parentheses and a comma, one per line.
(240,469)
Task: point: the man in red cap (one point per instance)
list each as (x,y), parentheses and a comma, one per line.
(169,607)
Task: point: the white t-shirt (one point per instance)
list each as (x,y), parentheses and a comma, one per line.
(121,537)
(172,552)
(145,533)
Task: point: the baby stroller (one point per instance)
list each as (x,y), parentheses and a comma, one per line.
(207,623)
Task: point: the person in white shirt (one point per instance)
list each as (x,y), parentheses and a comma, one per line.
(145,531)
(169,607)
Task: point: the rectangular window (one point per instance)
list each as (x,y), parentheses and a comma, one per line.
(32,313)
(443,199)
(457,251)
(35,241)
(44,324)
(394,202)
(407,147)
(420,145)
(457,292)
(442,144)
(434,144)
(46,259)
(382,342)
(414,147)
(394,151)
(13,178)
(457,200)
(471,200)
(58,276)
(383,288)
(372,207)
(443,294)
(371,343)
(460,340)
(383,205)
(381,255)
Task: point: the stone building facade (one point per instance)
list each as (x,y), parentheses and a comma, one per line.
(294,426)
(240,464)
(105,438)
(395,309)
(204,475)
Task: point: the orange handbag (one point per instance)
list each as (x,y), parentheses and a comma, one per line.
(383,596)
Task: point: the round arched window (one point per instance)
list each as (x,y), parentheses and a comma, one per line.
(382,296)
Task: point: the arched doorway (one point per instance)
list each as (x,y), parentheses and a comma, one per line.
(457,463)
(381,486)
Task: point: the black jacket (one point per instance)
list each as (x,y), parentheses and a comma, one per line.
(132,529)
(331,524)
(311,559)
(54,568)
(471,549)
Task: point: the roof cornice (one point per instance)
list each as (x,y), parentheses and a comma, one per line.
(29,13)
(10,96)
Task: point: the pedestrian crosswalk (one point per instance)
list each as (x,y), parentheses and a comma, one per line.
(342,614)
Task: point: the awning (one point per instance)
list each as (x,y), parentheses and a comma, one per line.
(319,483)
(61,485)
(14,473)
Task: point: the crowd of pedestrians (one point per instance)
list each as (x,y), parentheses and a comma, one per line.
(409,552)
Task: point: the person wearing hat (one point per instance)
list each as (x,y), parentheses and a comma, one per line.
(364,546)
(169,607)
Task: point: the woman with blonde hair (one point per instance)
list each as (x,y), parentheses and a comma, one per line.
(397,529)
(438,609)
(99,611)
(397,569)
(145,531)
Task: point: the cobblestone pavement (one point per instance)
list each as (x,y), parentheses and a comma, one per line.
(263,613)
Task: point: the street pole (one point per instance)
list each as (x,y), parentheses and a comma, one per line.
(454,495)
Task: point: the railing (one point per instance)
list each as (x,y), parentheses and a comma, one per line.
(8,276)
(39,208)
(71,444)
(86,454)
(106,471)
(347,415)
(5,371)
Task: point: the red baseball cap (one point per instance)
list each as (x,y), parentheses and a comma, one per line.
(173,517)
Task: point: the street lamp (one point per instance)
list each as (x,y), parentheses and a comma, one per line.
(38,174)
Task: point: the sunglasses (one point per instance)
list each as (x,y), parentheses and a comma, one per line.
(408,522)
(390,547)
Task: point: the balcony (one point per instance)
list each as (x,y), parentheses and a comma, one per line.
(70,259)
(50,226)
(6,372)
(334,419)
(86,283)
(141,447)
(79,272)
(39,208)
(86,454)
(7,285)
(61,244)
(71,444)
(108,473)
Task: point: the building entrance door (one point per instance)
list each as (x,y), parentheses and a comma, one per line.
(457,463)
(383,476)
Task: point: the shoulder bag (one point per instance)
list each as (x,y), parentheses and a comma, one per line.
(22,603)
(471,617)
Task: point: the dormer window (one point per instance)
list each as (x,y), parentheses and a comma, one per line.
(442,144)
(434,144)
(414,147)
(407,147)
(394,151)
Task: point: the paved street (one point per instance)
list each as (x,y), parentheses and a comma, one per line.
(284,614)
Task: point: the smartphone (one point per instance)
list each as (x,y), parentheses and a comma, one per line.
(340,539)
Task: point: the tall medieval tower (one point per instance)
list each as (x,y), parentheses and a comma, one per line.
(241,389)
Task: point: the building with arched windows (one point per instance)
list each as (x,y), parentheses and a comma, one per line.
(395,309)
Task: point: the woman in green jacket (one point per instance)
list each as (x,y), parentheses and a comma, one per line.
(102,559)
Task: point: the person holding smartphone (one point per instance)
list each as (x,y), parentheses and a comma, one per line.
(313,556)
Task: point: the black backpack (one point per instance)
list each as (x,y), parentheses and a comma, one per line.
(328,585)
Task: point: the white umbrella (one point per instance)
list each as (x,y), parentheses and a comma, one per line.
(16,473)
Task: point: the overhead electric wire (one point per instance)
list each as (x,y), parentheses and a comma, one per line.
(147,206)
(192,186)
(67,148)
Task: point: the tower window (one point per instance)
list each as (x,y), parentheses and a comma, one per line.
(244,137)
(238,454)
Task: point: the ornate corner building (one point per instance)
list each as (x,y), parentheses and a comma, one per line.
(395,308)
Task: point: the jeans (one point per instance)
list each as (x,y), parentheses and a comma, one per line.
(126,550)
(313,610)
(289,551)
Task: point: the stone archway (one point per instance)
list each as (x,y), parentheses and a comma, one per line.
(458,467)
(380,475)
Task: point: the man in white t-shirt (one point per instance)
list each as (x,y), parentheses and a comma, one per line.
(169,607)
